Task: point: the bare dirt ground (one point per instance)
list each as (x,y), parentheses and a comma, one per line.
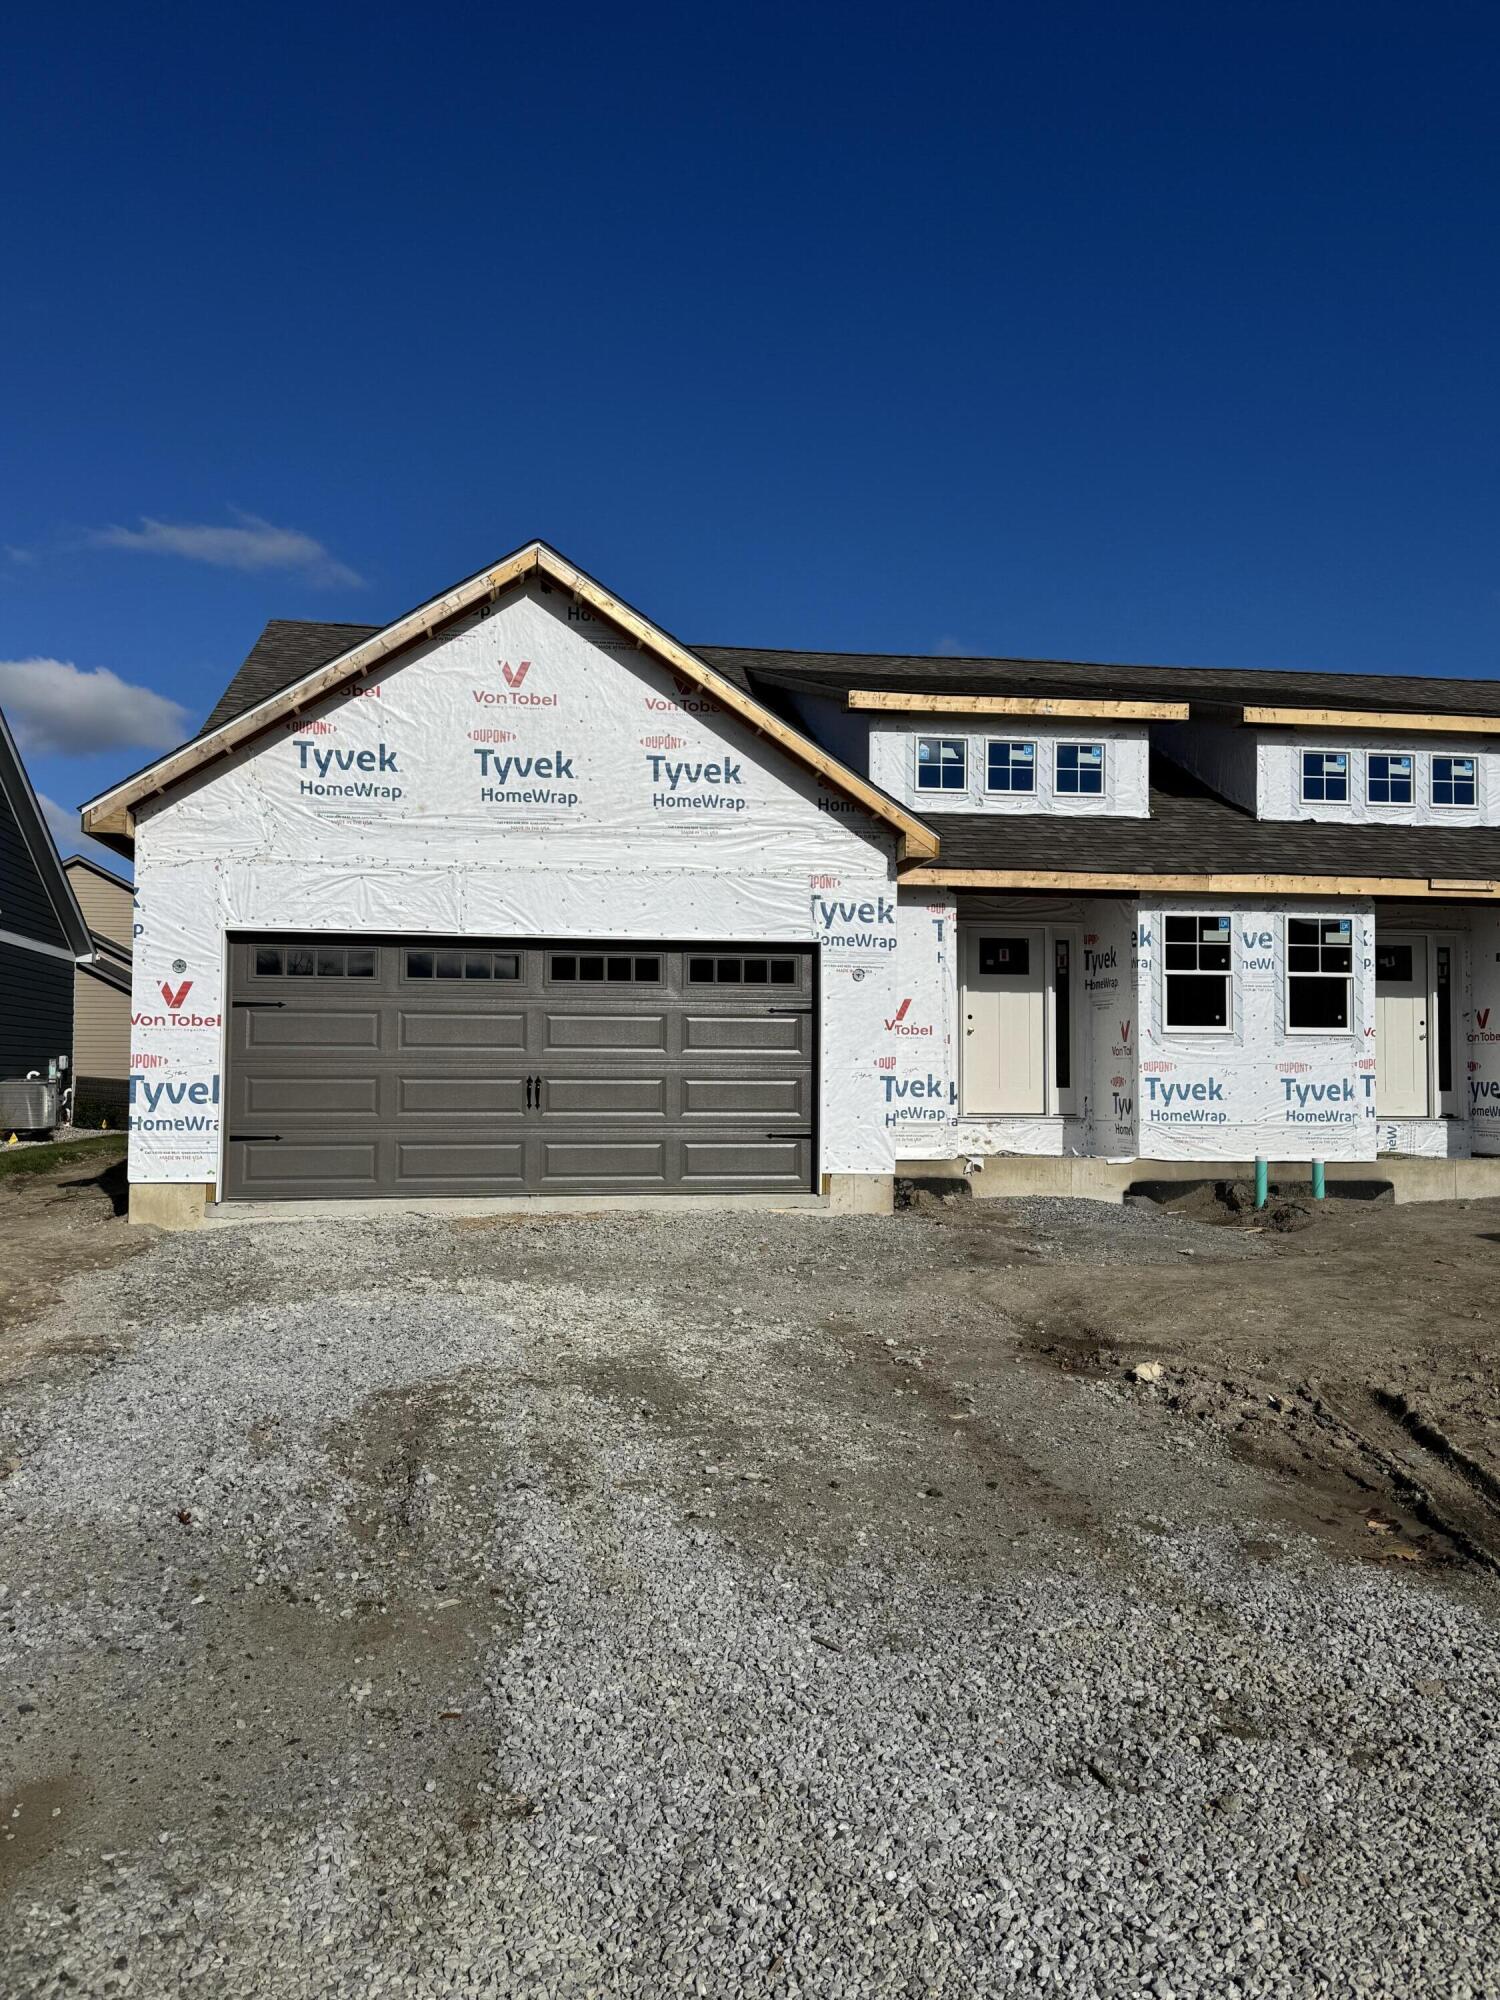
(749,1604)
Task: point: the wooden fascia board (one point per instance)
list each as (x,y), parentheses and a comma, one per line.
(1420,888)
(112,811)
(1369,718)
(1102,710)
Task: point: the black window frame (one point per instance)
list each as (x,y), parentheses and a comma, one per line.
(1316,962)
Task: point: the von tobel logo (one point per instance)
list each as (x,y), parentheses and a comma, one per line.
(379,762)
(1122,1046)
(1482,1031)
(690,699)
(720,775)
(897,1023)
(865,926)
(515,693)
(175,1000)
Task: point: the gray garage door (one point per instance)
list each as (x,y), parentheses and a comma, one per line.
(413,1066)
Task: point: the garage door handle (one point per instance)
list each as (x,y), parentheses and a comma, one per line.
(789,1010)
(255,1138)
(528,1093)
(257,1003)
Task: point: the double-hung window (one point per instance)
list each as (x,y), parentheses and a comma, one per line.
(1080,769)
(942,764)
(1199,971)
(1454,781)
(1319,973)
(1325,777)
(1010,767)
(1388,779)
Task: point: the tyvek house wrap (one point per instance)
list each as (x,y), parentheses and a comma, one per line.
(529,774)
(1257,1088)
(920,1059)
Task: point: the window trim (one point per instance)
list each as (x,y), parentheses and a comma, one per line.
(1011,791)
(1080,743)
(939,791)
(1452,805)
(1316,917)
(1390,805)
(1348,757)
(1231,1011)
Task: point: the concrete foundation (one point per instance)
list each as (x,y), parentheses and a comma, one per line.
(1006,1174)
(860,1194)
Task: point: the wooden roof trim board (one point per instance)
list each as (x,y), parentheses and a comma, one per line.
(1007,704)
(112,812)
(1368,718)
(1134,881)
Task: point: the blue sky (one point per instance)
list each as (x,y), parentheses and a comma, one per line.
(1140,334)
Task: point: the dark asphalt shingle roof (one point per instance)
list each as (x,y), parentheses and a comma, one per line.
(1191,831)
(833,674)
(284,652)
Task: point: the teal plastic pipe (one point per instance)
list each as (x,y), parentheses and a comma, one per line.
(1318,1184)
(1262,1183)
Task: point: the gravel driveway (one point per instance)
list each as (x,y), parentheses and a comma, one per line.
(730,1605)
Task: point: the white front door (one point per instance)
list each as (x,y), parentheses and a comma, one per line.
(1401,1009)
(1004,1062)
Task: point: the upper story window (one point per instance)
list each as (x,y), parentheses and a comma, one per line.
(1325,777)
(942,764)
(1454,781)
(1010,767)
(1388,779)
(1197,959)
(1319,974)
(1080,769)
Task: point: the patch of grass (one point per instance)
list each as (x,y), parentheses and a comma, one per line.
(16,1161)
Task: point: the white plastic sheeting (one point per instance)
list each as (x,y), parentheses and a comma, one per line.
(1256,1088)
(1126,756)
(1262,771)
(530,774)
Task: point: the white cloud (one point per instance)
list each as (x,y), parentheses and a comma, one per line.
(72,840)
(55,707)
(16,555)
(252,544)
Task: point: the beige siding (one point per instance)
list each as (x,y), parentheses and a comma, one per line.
(101,1028)
(106,905)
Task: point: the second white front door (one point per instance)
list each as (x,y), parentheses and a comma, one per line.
(1004,1023)
(1402,1063)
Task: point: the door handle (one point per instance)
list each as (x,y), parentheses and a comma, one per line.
(528,1093)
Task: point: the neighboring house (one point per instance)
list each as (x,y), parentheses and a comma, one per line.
(43,936)
(101,993)
(520,894)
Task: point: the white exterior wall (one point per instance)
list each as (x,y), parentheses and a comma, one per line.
(1126,794)
(920,1061)
(1482,1031)
(1279,760)
(529,774)
(1256,1089)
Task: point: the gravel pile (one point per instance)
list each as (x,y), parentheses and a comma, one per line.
(429,1610)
